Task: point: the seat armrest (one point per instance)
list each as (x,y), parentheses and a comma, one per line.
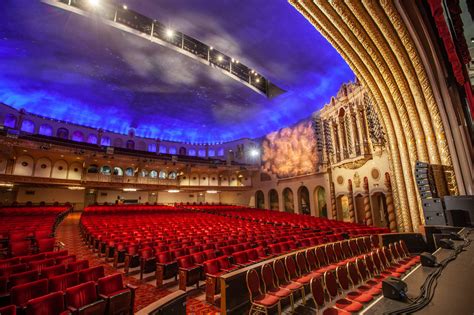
(131,286)
(72,309)
(190,269)
(92,304)
(102,296)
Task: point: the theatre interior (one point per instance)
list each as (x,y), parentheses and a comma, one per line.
(236,157)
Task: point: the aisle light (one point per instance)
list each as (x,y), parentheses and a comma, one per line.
(129,189)
(173,191)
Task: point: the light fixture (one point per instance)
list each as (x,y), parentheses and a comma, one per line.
(254,152)
(6,185)
(76,188)
(169,33)
(173,191)
(125,7)
(94,2)
(129,189)
(211,191)
(257,80)
(220,58)
(211,48)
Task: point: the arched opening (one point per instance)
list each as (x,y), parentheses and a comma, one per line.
(9,121)
(105,170)
(92,139)
(320,201)
(359,208)
(93,169)
(45,130)
(77,136)
(62,133)
(130,145)
(28,126)
(182,151)
(129,171)
(118,171)
(273,199)
(379,210)
(43,167)
(24,166)
(105,141)
(342,207)
(162,175)
(288,200)
(303,200)
(259,200)
(153,174)
(172,150)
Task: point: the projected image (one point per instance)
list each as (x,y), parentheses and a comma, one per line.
(290,151)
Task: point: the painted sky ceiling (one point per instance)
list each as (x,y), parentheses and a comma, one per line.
(65,66)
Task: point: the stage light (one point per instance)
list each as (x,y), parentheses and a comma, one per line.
(211,191)
(169,33)
(173,191)
(254,152)
(125,7)
(258,80)
(211,48)
(129,189)
(94,2)
(220,58)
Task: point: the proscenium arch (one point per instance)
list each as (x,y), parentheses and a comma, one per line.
(374,40)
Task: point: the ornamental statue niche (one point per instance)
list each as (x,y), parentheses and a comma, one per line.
(357,180)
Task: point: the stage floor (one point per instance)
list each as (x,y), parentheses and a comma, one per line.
(454,293)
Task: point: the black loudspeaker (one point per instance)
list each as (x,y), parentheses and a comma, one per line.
(428,260)
(446,243)
(394,288)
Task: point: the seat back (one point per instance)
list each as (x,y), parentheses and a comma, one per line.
(50,304)
(253,283)
(110,284)
(375,240)
(59,253)
(343,277)
(240,257)
(227,250)
(20,248)
(164,257)
(185,261)
(302,263)
(30,258)
(346,249)
(321,256)
(224,262)
(81,295)
(62,282)
(368,243)
(338,251)
(362,268)
(317,291)
(311,259)
(46,245)
(22,293)
(268,278)
(353,273)
(211,267)
(78,265)
(252,254)
(6,271)
(22,278)
(354,248)
(198,258)
(361,245)
(41,264)
(52,271)
(65,259)
(210,254)
(331,284)
(91,274)
(8,310)
(9,262)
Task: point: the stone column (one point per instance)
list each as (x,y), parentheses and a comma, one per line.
(333,201)
(100,132)
(367,208)
(335,148)
(363,129)
(360,131)
(390,207)
(351,201)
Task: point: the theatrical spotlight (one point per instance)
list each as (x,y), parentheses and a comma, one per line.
(94,3)
(169,33)
(254,152)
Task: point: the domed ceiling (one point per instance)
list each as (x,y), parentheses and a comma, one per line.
(74,68)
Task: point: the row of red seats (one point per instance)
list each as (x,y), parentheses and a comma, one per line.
(27,230)
(348,283)
(35,283)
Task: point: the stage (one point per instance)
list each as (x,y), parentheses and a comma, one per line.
(454,293)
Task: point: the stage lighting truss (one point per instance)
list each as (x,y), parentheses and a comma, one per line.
(121,17)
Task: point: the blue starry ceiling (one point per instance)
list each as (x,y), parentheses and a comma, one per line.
(69,67)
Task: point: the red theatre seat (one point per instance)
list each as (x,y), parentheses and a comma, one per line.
(62,282)
(46,245)
(189,272)
(82,299)
(51,304)
(91,274)
(21,294)
(119,298)
(8,310)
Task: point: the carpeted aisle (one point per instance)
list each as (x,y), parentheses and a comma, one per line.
(68,232)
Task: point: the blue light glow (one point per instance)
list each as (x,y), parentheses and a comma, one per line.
(68,67)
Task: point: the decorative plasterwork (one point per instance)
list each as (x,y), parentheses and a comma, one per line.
(373,39)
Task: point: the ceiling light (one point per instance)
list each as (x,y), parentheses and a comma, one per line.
(258,80)
(173,191)
(6,185)
(220,58)
(76,188)
(129,189)
(211,48)
(169,33)
(125,7)
(211,191)
(254,152)
(94,2)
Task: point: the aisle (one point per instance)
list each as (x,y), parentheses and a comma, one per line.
(68,232)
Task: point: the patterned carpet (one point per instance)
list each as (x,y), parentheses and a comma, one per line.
(68,232)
